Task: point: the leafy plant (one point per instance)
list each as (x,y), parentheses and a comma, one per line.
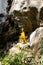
(13,60)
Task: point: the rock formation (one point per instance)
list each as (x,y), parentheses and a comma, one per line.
(24,14)
(20,13)
(9,32)
(36,39)
(23,5)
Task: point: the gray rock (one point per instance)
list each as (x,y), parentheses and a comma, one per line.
(25,14)
(23,5)
(36,36)
(36,39)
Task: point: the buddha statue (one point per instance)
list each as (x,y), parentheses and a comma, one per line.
(23,37)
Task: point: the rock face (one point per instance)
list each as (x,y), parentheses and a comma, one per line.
(25,13)
(28,14)
(36,39)
(14,50)
(37,34)
(9,32)
(23,5)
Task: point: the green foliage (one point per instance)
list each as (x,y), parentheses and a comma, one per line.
(1,58)
(41,48)
(21,58)
(18,59)
(13,60)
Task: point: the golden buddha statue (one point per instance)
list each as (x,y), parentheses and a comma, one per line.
(23,36)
